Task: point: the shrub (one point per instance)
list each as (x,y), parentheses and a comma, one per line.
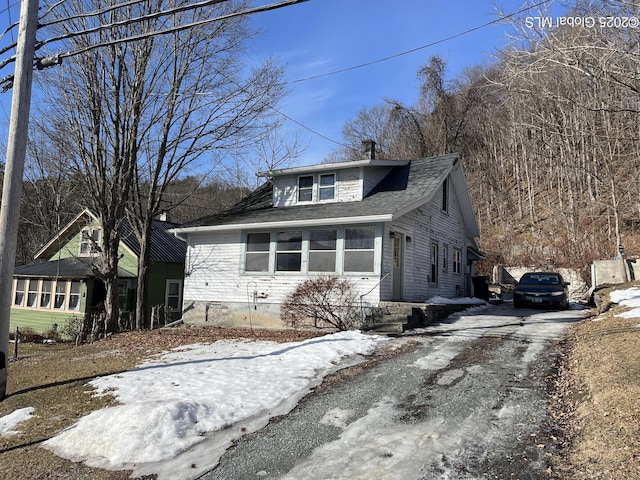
(322,302)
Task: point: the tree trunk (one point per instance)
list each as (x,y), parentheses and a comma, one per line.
(143,276)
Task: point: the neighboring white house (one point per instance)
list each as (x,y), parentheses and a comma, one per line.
(399,230)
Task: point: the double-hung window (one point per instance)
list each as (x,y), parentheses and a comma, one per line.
(445,258)
(18,299)
(32,294)
(305,188)
(322,250)
(61,295)
(289,251)
(317,250)
(316,188)
(457,261)
(89,239)
(45,294)
(172,295)
(257,253)
(327,187)
(445,195)
(434,263)
(359,249)
(74,296)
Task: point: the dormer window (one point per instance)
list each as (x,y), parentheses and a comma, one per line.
(305,188)
(327,186)
(89,239)
(317,188)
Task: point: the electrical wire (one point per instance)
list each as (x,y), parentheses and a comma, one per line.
(413,50)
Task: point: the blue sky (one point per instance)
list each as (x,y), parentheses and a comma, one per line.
(323,36)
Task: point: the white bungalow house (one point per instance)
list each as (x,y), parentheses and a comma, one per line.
(400,230)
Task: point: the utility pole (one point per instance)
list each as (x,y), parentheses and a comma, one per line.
(14,169)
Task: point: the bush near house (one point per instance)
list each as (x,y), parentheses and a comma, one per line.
(322,302)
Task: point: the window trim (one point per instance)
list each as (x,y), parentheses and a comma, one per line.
(322,187)
(23,291)
(434,263)
(317,188)
(311,251)
(168,282)
(300,189)
(64,294)
(36,287)
(86,234)
(35,292)
(372,250)
(74,294)
(245,243)
(296,251)
(45,294)
(457,261)
(445,195)
(445,258)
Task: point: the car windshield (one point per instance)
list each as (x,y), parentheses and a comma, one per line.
(540,279)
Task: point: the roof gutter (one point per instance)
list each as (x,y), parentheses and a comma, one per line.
(283,224)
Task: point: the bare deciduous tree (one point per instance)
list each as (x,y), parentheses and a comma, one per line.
(138,115)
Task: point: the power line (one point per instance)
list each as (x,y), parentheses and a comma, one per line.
(413,50)
(56,59)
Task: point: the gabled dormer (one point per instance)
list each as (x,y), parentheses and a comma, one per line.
(329,182)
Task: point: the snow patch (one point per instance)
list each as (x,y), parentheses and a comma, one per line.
(8,423)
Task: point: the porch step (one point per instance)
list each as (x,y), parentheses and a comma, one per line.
(394,318)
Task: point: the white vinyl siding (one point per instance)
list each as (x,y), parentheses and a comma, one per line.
(215,274)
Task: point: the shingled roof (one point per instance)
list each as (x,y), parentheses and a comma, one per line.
(405,187)
(65,268)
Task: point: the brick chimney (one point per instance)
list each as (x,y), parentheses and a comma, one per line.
(369,149)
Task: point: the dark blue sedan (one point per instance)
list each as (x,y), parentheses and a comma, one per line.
(543,289)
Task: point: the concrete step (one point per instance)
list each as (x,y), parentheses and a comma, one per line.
(391,328)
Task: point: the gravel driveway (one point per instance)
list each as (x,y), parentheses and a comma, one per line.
(467,401)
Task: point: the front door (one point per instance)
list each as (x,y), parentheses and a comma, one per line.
(398,266)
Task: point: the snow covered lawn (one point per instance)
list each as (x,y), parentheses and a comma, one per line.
(197,398)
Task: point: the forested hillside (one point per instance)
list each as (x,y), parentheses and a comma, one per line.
(549,135)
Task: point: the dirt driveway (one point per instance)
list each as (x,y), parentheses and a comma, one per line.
(466,401)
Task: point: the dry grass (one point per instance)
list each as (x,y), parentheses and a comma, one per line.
(52,379)
(597,402)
